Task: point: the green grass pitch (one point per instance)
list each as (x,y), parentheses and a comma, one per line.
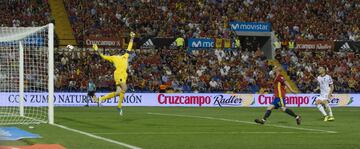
(208,128)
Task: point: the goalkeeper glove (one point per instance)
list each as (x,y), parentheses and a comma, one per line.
(95,47)
(132,34)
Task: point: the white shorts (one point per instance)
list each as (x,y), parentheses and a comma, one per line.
(323,97)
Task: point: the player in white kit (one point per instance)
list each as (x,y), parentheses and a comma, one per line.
(326,87)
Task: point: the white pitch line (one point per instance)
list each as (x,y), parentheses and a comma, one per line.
(347,110)
(245,122)
(97,137)
(196,133)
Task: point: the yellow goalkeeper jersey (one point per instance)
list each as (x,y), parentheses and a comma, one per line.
(120,62)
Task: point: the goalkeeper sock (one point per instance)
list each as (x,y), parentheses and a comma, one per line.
(121,98)
(321,109)
(107,96)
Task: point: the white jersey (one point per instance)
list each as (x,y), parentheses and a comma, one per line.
(324,83)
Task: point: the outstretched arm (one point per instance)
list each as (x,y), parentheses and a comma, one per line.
(132,35)
(96,49)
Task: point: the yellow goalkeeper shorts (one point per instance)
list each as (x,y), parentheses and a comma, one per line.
(120,78)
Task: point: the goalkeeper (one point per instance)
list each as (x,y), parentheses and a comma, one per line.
(120,75)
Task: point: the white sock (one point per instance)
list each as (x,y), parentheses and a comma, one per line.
(329,109)
(321,109)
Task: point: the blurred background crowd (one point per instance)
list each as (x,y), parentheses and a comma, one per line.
(314,20)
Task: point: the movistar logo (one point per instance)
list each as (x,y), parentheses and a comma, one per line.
(250,26)
(202,44)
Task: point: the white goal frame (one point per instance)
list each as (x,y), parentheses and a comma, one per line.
(22,34)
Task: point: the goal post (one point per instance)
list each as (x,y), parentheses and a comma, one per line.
(51,73)
(27,75)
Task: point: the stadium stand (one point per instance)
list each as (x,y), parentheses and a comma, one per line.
(15,13)
(302,65)
(180,71)
(317,20)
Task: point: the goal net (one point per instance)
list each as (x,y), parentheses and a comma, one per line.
(26,75)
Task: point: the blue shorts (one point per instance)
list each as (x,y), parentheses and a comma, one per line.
(278,102)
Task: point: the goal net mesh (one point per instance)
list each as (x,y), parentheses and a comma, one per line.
(24,64)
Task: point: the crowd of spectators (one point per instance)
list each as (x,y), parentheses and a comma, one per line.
(314,20)
(210,70)
(180,71)
(24,13)
(302,67)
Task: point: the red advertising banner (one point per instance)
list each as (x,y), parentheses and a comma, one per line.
(314,45)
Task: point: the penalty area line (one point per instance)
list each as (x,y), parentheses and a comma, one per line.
(96,137)
(244,122)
